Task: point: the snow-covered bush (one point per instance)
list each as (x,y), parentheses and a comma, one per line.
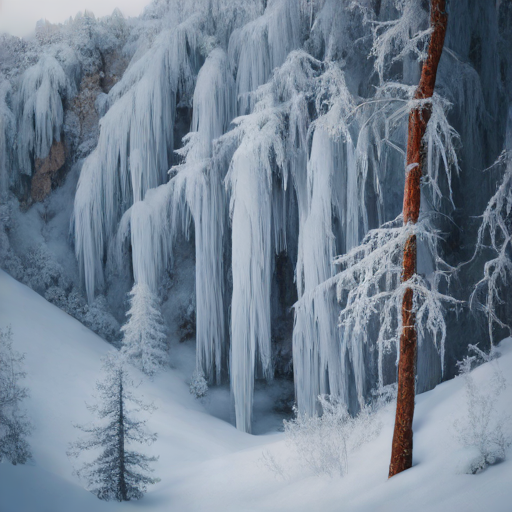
(144,340)
(118,473)
(42,271)
(483,428)
(14,426)
(323,443)
(198,384)
(95,316)
(98,318)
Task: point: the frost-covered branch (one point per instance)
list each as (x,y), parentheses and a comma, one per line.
(369,288)
(394,40)
(495,234)
(441,139)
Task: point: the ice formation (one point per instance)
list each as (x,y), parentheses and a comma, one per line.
(44,87)
(7,122)
(135,145)
(260,128)
(276,152)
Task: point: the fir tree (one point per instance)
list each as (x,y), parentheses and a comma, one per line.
(117,473)
(14,427)
(144,332)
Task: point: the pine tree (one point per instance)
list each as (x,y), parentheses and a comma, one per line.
(117,473)
(401,455)
(14,426)
(144,341)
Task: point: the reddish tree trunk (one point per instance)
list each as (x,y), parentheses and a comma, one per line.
(401,455)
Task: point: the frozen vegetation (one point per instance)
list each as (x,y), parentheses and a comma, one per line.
(215,188)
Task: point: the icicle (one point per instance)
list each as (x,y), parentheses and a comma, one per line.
(250,186)
(7,123)
(44,87)
(336,176)
(257,181)
(151,237)
(214,108)
(315,346)
(133,152)
(261,46)
(197,189)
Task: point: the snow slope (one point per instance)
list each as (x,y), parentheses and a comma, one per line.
(207,465)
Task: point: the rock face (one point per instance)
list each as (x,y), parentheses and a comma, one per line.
(46,170)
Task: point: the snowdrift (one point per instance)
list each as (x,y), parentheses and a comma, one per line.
(205,463)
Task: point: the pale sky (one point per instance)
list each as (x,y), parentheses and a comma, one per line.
(19,17)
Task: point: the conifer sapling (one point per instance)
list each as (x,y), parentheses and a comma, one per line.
(144,340)
(117,473)
(14,426)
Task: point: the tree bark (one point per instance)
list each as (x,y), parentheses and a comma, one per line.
(401,455)
(122,490)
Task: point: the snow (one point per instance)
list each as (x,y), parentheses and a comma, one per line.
(312,167)
(207,464)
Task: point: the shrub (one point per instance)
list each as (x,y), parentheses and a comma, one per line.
(198,385)
(482,427)
(323,443)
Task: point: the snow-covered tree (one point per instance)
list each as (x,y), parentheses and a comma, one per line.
(144,340)
(14,426)
(198,384)
(495,234)
(117,473)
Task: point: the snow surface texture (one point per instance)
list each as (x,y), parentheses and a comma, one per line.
(205,463)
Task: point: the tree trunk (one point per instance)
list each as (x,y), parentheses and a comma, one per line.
(401,455)
(122,491)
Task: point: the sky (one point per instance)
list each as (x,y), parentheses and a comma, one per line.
(19,17)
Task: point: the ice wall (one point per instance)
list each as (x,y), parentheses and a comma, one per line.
(134,148)
(314,160)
